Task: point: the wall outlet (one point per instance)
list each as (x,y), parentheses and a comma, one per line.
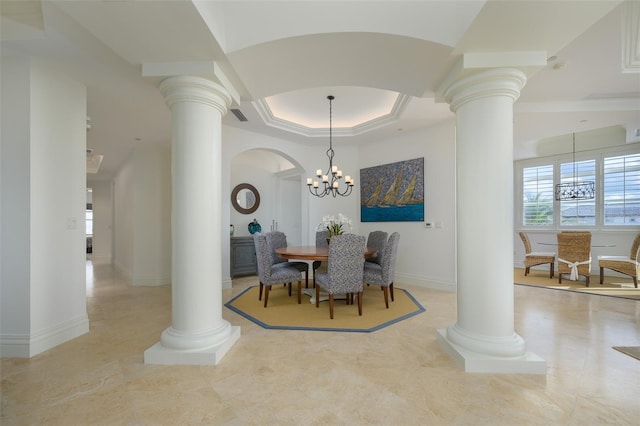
(428,225)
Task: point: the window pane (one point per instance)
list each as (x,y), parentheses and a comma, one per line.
(89,221)
(578,212)
(622,190)
(537,195)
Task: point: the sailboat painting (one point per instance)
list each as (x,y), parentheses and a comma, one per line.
(393,192)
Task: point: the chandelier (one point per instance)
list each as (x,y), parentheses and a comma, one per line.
(331,179)
(575,190)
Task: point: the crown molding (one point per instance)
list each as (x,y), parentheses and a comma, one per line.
(266,115)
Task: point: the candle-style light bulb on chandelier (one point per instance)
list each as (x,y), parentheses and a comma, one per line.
(331,179)
(575,190)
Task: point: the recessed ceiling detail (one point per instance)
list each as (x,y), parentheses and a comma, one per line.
(361,110)
(93,162)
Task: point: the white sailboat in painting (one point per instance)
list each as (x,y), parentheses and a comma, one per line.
(407,195)
(391,196)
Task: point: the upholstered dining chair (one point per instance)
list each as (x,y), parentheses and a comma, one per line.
(623,264)
(273,275)
(376,240)
(344,269)
(382,274)
(533,258)
(276,240)
(574,255)
(321,240)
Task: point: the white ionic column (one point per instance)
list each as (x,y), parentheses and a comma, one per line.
(198,334)
(483,338)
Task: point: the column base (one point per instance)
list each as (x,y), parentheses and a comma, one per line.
(473,362)
(159,354)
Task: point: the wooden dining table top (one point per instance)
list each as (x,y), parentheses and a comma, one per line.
(314,252)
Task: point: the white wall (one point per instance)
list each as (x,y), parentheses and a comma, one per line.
(15,202)
(55,134)
(426,257)
(142,222)
(123,220)
(152,216)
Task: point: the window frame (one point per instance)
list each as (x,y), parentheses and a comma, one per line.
(556,160)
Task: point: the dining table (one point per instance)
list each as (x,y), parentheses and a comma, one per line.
(314,252)
(320,253)
(592,245)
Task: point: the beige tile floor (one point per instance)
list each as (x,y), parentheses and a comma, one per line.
(395,376)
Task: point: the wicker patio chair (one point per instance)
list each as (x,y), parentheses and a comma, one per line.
(533,258)
(276,240)
(344,270)
(376,240)
(383,274)
(574,255)
(269,275)
(623,264)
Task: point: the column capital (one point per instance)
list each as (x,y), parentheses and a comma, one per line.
(486,83)
(186,88)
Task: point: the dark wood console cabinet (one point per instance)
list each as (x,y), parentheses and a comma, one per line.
(243,257)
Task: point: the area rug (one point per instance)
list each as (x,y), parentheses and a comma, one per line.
(612,287)
(632,351)
(283,311)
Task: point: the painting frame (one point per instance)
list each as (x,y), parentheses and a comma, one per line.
(393,192)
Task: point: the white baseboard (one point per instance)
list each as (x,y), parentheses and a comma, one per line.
(422,281)
(226,283)
(27,346)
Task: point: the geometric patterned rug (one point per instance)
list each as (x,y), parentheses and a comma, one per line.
(284,313)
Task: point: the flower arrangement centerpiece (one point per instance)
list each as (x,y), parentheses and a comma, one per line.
(335,226)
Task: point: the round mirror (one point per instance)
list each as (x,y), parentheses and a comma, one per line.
(245,198)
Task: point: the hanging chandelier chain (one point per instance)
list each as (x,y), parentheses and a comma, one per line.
(574,159)
(330,151)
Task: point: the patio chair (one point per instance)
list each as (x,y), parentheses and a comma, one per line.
(534,258)
(623,264)
(574,255)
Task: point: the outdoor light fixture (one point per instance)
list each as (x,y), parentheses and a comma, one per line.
(575,190)
(330,181)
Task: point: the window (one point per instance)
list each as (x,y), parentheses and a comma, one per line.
(616,174)
(622,190)
(537,190)
(89,220)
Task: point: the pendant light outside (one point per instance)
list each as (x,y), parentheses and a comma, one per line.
(575,190)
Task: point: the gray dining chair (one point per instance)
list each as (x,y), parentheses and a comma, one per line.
(269,275)
(276,240)
(376,240)
(344,270)
(321,241)
(382,274)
